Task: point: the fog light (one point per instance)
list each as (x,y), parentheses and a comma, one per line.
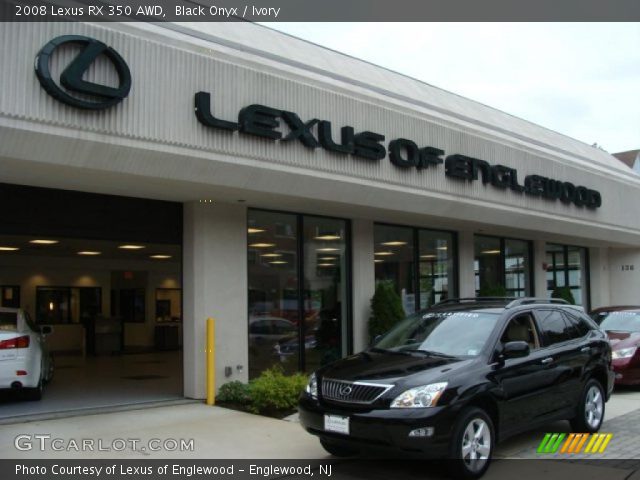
(21,373)
(421,432)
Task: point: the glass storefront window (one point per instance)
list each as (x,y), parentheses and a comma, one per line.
(502,267)
(568,266)
(437,268)
(431,266)
(395,261)
(298,290)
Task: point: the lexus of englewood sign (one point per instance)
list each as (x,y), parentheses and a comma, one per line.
(263,121)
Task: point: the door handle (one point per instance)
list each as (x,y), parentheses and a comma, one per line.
(585,349)
(547,361)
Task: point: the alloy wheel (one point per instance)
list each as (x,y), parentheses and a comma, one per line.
(594,407)
(476,444)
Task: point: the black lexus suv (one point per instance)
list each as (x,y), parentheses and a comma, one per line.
(453,380)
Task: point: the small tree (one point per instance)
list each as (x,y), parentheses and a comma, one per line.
(564,293)
(386,309)
(493,291)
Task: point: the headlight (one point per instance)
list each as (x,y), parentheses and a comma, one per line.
(623,353)
(420,397)
(312,386)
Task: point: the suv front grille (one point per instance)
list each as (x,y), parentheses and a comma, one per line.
(352,392)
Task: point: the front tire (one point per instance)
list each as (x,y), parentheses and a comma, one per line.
(337,450)
(590,410)
(472,443)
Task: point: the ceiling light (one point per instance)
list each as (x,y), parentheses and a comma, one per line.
(326,264)
(262,245)
(131,247)
(327,259)
(160,257)
(427,256)
(328,237)
(43,242)
(394,243)
(490,252)
(271,255)
(441,248)
(255,230)
(89,252)
(9,249)
(278,262)
(383,254)
(327,249)
(378,260)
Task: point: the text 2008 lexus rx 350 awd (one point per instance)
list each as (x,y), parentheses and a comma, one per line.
(453,380)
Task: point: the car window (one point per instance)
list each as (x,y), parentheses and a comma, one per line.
(521,328)
(580,325)
(8,321)
(555,328)
(260,327)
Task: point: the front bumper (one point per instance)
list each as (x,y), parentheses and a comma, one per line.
(627,371)
(383,431)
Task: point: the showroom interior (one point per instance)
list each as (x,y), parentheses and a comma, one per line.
(269,183)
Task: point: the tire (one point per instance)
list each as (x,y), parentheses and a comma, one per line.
(590,409)
(337,450)
(472,444)
(50,371)
(34,394)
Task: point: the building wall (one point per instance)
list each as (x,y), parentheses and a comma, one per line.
(624,268)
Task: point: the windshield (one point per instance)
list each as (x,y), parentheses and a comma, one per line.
(459,334)
(621,321)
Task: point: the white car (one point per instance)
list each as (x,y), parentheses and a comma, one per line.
(25,362)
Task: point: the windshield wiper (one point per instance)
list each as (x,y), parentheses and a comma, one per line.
(428,353)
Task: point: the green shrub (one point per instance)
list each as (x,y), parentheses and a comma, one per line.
(273,391)
(564,293)
(493,291)
(386,309)
(234,392)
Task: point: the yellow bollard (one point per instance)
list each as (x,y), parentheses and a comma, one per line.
(211,361)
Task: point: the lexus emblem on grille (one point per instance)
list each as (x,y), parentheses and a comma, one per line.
(345,391)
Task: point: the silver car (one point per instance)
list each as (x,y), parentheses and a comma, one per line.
(25,362)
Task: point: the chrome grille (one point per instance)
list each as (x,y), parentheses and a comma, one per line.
(352,392)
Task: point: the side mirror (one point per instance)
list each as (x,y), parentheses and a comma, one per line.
(375,339)
(46,329)
(517,349)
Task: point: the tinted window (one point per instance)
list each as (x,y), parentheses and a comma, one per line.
(8,321)
(580,325)
(622,321)
(555,328)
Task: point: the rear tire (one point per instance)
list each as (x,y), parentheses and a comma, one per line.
(472,443)
(590,410)
(337,450)
(33,394)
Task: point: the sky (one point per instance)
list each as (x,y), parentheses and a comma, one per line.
(579,79)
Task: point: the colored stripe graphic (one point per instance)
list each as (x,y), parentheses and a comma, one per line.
(574,443)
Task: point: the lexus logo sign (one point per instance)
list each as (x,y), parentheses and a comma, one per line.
(94,96)
(345,391)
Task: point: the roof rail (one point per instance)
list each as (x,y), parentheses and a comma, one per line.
(449,301)
(533,300)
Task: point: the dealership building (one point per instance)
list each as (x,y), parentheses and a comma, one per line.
(154,175)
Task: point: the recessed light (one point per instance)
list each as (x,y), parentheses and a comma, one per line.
(255,230)
(208,200)
(328,237)
(131,247)
(327,249)
(394,243)
(383,254)
(490,252)
(9,249)
(378,260)
(271,255)
(262,245)
(427,256)
(43,242)
(278,262)
(160,257)
(327,259)
(89,252)
(326,264)
(441,248)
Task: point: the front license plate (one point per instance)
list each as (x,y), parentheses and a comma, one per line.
(337,424)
